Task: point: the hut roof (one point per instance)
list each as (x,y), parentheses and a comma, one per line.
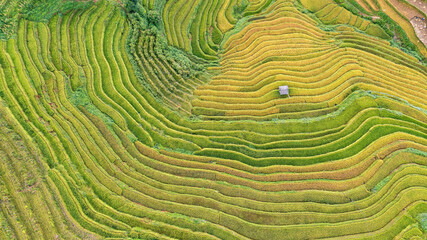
(284,90)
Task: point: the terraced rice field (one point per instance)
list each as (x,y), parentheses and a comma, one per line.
(163,120)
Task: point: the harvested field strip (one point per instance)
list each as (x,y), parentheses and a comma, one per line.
(398,17)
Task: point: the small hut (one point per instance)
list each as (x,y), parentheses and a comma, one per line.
(284,90)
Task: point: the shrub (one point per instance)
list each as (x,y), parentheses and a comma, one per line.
(43,10)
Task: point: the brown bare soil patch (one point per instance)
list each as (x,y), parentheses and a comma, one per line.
(416,17)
